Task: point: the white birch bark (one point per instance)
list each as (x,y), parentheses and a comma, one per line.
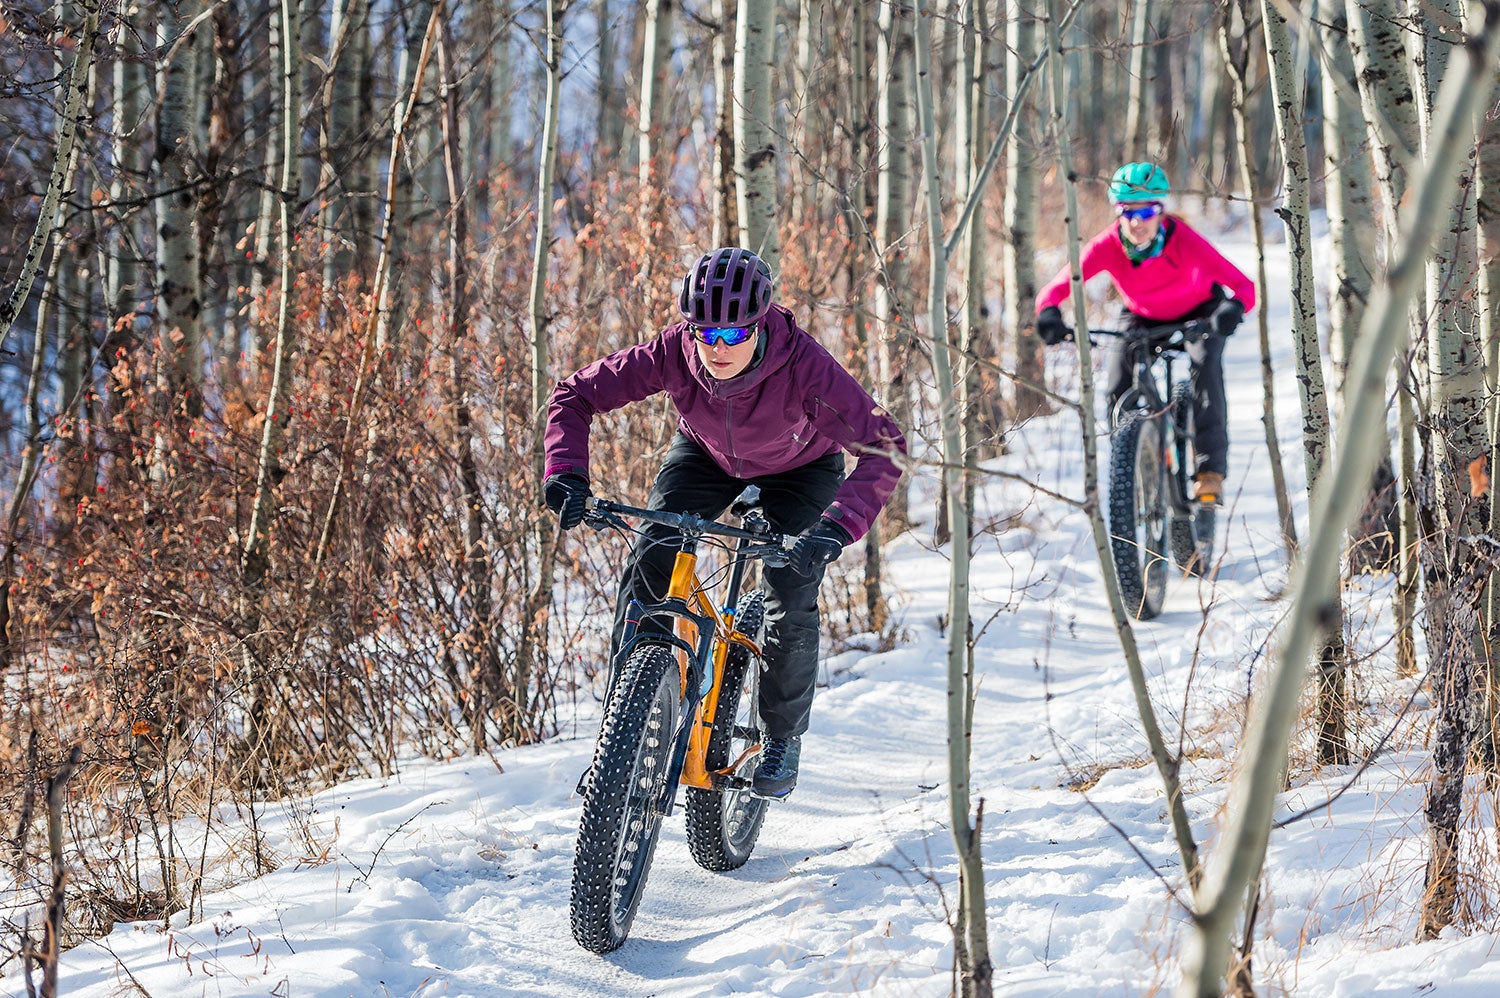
(754,137)
(1332,734)
(179,291)
(255,556)
(726,229)
(533,640)
(975,967)
(1236,61)
(1019,255)
(655,65)
(1142,82)
(1388,95)
(893,56)
(1350,205)
(1253,795)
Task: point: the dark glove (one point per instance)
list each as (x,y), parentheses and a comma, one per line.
(1050,328)
(565,495)
(821,544)
(1228,315)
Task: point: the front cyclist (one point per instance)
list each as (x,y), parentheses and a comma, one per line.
(759,402)
(1166,273)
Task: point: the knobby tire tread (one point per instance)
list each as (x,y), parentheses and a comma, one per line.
(650,674)
(1139,572)
(722,827)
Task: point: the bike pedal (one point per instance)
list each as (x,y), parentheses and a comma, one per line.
(770,797)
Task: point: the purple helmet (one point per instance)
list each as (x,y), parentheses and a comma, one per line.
(728,287)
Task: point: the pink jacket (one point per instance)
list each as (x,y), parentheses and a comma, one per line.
(1165,287)
(797,405)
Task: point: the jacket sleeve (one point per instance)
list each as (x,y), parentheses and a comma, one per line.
(842,410)
(1220,270)
(1090,263)
(623,377)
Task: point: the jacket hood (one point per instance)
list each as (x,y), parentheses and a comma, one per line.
(775,326)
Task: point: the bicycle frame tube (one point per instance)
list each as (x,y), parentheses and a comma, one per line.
(695,772)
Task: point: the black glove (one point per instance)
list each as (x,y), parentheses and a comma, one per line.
(1050,328)
(1228,315)
(821,544)
(565,495)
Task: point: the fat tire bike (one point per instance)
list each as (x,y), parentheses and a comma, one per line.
(683,709)
(1152,509)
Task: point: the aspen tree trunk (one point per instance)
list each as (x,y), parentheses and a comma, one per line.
(1019,258)
(754,137)
(1377,42)
(1254,792)
(263,226)
(411,202)
(122,280)
(1332,734)
(856,210)
(980,422)
(1236,59)
(892,224)
(975,969)
(1351,205)
(257,653)
(653,144)
(344,178)
(1459,442)
(179,292)
(1142,83)
(727,230)
(1487,198)
(1167,765)
(533,643)
(610,115)
(803,107)
(501,84)
(254,558)
(479,623)
(75,99)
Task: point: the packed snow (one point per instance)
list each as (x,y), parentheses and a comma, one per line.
(453,878)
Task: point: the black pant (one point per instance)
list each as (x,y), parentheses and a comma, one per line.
(691,482)
(1205,369)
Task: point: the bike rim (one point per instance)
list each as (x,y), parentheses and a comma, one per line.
(741,808)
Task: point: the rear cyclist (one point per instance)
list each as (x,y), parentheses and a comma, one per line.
(759,402)
(1166,273)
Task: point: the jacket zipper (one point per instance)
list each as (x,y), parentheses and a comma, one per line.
(729,437)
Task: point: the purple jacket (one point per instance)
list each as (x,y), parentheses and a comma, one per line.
(797,405)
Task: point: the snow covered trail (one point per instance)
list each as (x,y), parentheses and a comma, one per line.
(453,879)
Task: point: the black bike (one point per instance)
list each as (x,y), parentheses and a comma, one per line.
(1151,460)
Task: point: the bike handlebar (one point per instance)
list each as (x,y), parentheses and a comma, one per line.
(767,544)
(1172,335)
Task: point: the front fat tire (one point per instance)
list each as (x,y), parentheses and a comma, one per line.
(621,818)
(1138,514)
(722,827)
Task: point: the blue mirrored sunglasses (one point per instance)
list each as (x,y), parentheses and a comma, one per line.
(730,336)
(1138,213)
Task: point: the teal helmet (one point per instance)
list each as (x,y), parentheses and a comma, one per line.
(1138,182)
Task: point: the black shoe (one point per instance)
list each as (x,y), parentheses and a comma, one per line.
(777,773)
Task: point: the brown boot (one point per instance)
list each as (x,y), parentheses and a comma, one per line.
(1208,487)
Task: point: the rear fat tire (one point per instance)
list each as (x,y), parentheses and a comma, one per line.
(1138,513)
(722,827)
(621,818)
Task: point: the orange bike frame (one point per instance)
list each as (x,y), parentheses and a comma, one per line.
(686,587)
